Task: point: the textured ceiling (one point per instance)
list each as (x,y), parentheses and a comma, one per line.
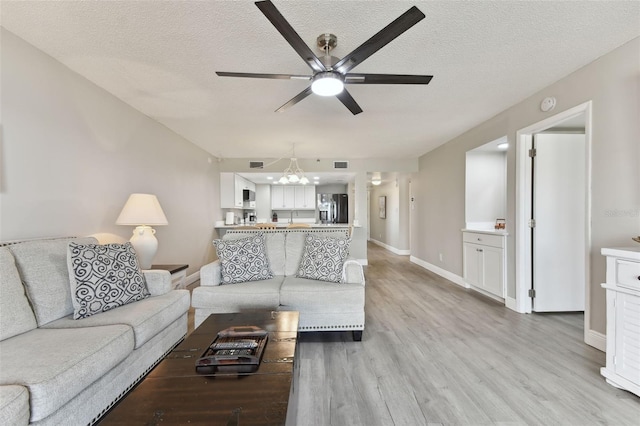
(160,57)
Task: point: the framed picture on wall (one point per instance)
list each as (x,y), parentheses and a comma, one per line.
(382,207)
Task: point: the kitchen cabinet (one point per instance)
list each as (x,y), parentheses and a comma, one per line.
(484,265)
(282,197)
(623,318)
(305,197)
(231,187)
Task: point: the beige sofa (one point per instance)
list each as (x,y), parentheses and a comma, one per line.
(323,306)
(57,370)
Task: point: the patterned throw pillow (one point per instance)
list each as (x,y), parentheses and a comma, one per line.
(323,258)
(243,260)
(103,277)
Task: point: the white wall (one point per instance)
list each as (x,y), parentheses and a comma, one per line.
(393,231)
(72,154)
(612,83)
(486,187)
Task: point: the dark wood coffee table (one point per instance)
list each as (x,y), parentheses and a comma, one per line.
(174,393)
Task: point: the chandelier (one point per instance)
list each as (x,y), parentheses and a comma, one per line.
(293,173)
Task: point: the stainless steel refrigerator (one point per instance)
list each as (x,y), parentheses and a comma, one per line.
(333,208)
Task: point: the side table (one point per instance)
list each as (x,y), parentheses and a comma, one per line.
(178,274)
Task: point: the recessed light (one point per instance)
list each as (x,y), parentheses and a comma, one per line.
(503,146)
(269,177)
(316,177)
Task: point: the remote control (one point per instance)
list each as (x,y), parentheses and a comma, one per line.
(232,353)
(238,344)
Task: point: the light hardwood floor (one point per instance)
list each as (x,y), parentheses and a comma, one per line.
(435,353)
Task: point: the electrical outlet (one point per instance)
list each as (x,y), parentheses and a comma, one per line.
(440,257)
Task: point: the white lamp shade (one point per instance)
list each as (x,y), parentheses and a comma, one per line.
(142,209)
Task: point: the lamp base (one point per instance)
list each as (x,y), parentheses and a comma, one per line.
(146,245)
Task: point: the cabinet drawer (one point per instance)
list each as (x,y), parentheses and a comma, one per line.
(628,274)
(484,239)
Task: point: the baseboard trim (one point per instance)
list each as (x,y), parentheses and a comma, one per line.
(391,248)
(512,304)
(456,279)
(595,339)
(190,279)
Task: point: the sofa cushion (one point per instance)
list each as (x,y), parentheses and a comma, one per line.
(147,317)
(104,277)
(275,248)
(243,259)
(14,405)
(323,258)
(306,295)
(16,315)
(43,268)
(238,297)
(57,364)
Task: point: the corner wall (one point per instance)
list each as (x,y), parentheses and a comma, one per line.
(612,82)
(72,153)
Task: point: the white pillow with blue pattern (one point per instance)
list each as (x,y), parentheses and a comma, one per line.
(243,260)
(323,258)
(103,277)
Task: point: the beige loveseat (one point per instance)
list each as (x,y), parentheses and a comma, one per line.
(323,306)
(57,370)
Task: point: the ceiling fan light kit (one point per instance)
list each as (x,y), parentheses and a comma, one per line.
(327,84)
(330,74)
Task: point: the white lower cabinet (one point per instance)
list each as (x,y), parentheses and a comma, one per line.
(484,263)
(623,319)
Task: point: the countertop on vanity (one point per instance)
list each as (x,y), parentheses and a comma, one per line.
(500,232)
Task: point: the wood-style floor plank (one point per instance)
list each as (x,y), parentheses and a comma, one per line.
(435,353)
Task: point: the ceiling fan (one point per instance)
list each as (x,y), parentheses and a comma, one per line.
(330,74)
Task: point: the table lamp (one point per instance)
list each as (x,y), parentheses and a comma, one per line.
(142,211)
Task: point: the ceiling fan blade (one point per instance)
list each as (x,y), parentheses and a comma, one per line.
(386,79)
(258,75)
(297,98)
(348,101)
(292,37)
(381,39)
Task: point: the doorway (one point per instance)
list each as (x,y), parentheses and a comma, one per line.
(528,238)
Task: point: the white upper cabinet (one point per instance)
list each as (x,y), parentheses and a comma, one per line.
(305,197)
(231,187)
(293,197)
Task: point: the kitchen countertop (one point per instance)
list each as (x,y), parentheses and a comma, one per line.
(284,225)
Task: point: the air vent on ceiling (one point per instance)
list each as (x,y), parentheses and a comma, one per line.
(256,164)
(340,164)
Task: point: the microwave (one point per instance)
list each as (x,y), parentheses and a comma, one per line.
(248,195)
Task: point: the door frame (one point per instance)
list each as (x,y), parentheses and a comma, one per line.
(523,209)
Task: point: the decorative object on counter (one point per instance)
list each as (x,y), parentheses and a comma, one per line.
(636,239)
(382,207)
(293,173)
(274,217)
(143,211)
(500,224)
(229,219)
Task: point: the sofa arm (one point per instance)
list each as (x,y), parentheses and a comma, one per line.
(352,272)
(158,281)
(210,274)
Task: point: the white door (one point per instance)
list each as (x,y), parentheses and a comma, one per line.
(559,211)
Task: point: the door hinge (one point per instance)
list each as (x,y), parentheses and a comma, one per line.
(532,223)
(532,293)
(532,152)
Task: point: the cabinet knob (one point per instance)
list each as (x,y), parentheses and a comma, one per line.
(479,239)
(638,277)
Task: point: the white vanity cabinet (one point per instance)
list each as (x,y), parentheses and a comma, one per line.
(623,318)
(484,265)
